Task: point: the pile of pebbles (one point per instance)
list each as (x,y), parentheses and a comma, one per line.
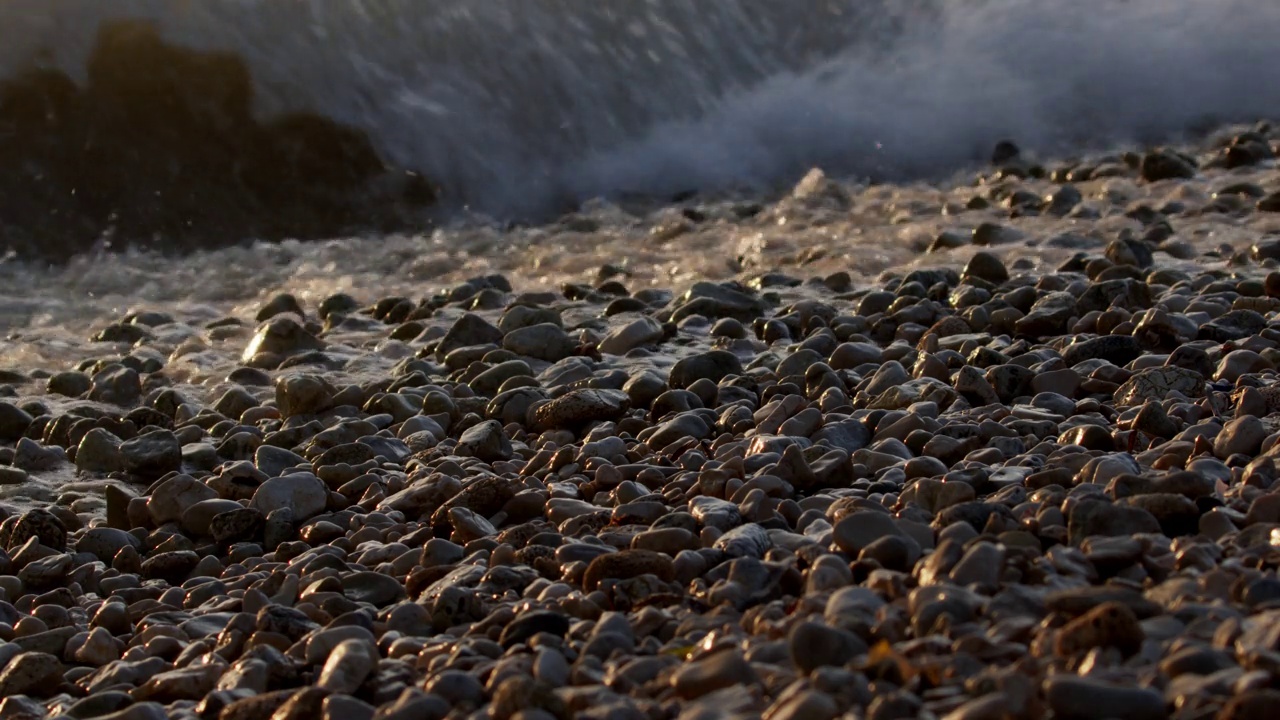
(976,493)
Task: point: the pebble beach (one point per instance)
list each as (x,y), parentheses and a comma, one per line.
(998,447)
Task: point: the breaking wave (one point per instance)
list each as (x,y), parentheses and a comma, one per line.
(524,108)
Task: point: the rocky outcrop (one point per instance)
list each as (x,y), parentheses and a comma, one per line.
(161,149)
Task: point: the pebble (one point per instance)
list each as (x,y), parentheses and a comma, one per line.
(69,383)
(857,531)
(116,385)
(748,540)
(152,454)
(986,266)
(370,587)
(105,542)
(642,331)
(1242,435)
(237,524)
(713,366)
(173,496)
(543,341)
(724,669)
(30,456)
(99,648)
(197,519)
(529,624)
(579,407)
(1091,518)
(1078,698)
(486,442)
(628,564)
(277,339)
(347,667)
(1033,478)
(1157,384)
(303,494)
(1110,624)
(345,707)
(303,395)
(27,672)
(13,475)
(814,645)
(99,452)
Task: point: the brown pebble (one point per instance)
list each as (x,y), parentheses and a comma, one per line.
(1111,624)
(305,704)
(1252,705)
(627,564)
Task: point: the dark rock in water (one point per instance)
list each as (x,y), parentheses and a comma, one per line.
(930,277)
(1266,249)
(713,365)
(717,301)
(1246,149)
(1126,293)
(948,239)
(14,422)
(1049,314)
(468,330)
(989,234)
(1166,165)
(1269,203)
(1130,252)
(985,266)
(1005,151)
(162,142)
(152,454)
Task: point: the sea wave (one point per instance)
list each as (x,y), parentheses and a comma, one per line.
(522,109)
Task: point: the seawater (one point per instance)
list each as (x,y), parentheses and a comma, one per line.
(520,109)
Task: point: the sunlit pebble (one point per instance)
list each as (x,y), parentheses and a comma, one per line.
(938,512)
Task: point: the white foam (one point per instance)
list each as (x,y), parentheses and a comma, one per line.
(1055,77)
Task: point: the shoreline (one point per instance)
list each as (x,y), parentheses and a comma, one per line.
(1005,449)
